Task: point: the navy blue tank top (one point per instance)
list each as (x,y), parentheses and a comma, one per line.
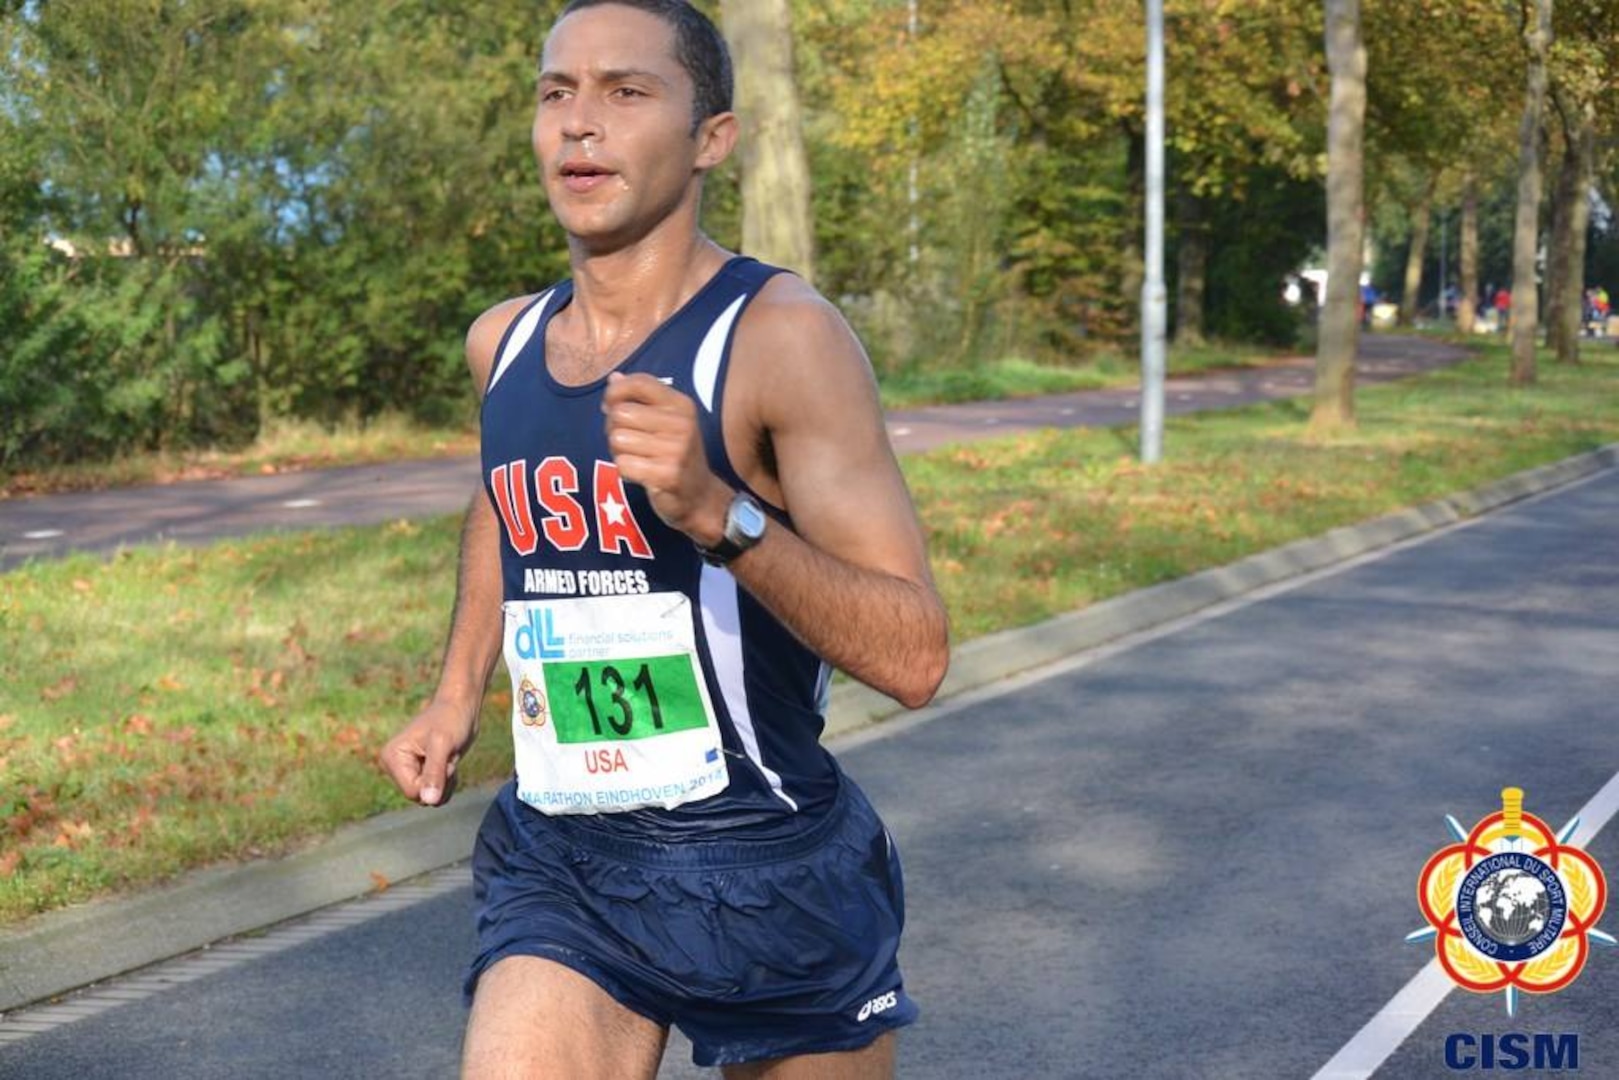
(571,527)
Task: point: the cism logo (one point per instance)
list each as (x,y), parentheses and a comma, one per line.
(1512,1051)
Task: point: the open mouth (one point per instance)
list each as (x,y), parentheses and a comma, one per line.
(582,176)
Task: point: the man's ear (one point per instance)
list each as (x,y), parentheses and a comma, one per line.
(716,138)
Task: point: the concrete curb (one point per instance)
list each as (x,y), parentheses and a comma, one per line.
(61,951)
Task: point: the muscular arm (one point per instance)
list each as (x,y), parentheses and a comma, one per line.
(474,641)
(888,630)
(422,757)
(853,582)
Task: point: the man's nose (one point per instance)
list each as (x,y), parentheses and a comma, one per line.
(581,119)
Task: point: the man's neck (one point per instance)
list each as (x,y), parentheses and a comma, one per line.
(622,294)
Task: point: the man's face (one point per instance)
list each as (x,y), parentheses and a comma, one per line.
(613,127)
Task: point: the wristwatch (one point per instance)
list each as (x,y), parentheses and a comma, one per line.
(745,522)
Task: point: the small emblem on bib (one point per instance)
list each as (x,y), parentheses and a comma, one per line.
(532,703)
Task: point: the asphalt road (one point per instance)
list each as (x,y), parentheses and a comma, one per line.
(199,512)
(1191,856)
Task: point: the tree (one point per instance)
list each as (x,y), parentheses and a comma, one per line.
(1571,217)
(1467,285)
(275,208)
(1340,325)
(1242,111)
(1432,119)
(1421,219)
(1525,298)
(776,217)
(1583,52)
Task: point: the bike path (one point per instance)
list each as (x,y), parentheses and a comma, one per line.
(1190,855)
(203,511)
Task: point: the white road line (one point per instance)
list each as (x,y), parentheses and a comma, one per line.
(300,504)
(1373,1044)
(902,431)
(42,534)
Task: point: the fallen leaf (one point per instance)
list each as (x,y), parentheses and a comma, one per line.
(9,862)
(380,881)
(60,689)
(81,585)
(138,724)
(73,834)
(169,682)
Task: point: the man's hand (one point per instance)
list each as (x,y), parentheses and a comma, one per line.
(421,759)
(656,442)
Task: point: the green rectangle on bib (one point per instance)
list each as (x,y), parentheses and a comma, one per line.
(622,699)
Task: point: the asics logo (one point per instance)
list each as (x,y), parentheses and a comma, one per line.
(878,1005)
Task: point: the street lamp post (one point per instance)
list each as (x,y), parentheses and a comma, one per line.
(1154,300)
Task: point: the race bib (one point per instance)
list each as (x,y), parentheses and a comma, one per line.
(609,708)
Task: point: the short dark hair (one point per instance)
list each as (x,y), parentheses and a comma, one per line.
(699,47)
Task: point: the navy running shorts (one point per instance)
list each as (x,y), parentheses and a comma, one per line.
(755,950)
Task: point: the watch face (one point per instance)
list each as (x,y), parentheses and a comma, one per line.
(750,519)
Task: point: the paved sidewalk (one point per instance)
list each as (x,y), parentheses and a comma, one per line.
(202,511)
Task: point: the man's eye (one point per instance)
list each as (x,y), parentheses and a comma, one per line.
(628,92)
(553,95)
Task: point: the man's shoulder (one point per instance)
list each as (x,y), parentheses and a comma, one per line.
(495,319)
(789,311)
(799,356)
(486,331)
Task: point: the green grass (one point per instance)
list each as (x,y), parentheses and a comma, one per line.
(1016,377)
(174,707)
(171,708)
(285,446)
(1027,527)
(290,445)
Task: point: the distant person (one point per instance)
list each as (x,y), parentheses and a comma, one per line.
(1502,304)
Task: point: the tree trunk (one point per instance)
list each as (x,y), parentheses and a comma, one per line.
(1556,256)
(1565,277)
(1467,303)
(1525,300)
(1193,269)
(777,221)
(1421,220)
(1339,336)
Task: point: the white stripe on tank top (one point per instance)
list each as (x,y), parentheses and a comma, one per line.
(722,624)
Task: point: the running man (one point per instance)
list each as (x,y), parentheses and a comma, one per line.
(691,514)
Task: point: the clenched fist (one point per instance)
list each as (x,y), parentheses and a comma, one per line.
(656,442)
